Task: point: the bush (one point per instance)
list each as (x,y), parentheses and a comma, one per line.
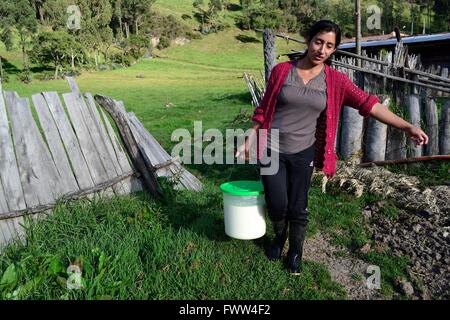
(164,42)
(71,72)
(121,58)
(45,76)
(193,35)
(103,67)
(25,76)
(115,66)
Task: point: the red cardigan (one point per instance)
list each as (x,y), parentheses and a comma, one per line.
(340,91)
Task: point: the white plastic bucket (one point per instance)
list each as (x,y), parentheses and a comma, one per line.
(244,215)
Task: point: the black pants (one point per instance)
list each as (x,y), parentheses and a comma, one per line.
(286,192)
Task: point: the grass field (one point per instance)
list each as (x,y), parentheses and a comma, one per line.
(136,248)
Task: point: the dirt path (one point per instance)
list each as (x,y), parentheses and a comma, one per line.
(344,269)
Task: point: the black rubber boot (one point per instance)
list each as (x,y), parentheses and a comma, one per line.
(276,247)
(297,233)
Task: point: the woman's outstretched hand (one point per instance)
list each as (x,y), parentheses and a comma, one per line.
(417,135)
(243,151)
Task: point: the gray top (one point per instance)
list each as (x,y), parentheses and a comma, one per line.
(297,110)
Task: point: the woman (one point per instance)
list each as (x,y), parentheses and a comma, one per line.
(302,100)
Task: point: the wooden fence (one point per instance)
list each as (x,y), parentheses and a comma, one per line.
(394,77)
(67,151)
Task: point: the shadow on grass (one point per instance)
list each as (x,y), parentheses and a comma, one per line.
(9,67)
(40,69)
(243,97)
(247,39)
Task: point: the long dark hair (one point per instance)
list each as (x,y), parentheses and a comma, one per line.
(322,26)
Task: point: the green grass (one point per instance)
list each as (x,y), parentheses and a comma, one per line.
(430,173)
(134,248)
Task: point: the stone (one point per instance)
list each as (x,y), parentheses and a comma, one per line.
(367,214)
(365,249)
(404,287)
(417,228)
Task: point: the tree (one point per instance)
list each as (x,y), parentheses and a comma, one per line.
(136,44)
(38,7)
(53,48)
(442,15)
(94,33)
(134,13)
(207,14)
(266,14)
(5,29)
(54,13)
(18,14)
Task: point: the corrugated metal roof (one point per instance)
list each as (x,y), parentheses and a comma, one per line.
(413,39)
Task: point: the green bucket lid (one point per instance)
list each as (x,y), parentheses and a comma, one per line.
(243,188)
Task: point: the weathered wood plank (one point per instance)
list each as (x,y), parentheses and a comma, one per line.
(413,105)
(96,136)
(352,131)
(106,148)
(72,84)
(156,155)
(122,159)
(98,172)
(445,131)
(11,230)
(40,155)
(76,157)
(40,179)
(135,184)
(55,144)
(432,127)
(147,144)
(3,204)
(130,143)
(396,144)
(120,153)
(376,138)
(9,172)
(103,133)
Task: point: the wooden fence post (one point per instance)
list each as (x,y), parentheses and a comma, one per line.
(445,125)
(352,129)
(432,127)
(413,105)
(376,138)
(269,40)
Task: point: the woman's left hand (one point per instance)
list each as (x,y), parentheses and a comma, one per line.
(417,135)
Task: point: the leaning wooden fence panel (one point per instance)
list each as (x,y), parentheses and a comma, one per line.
(74,156)
(39,177)
(55,144)
(9,172)
(70,141)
